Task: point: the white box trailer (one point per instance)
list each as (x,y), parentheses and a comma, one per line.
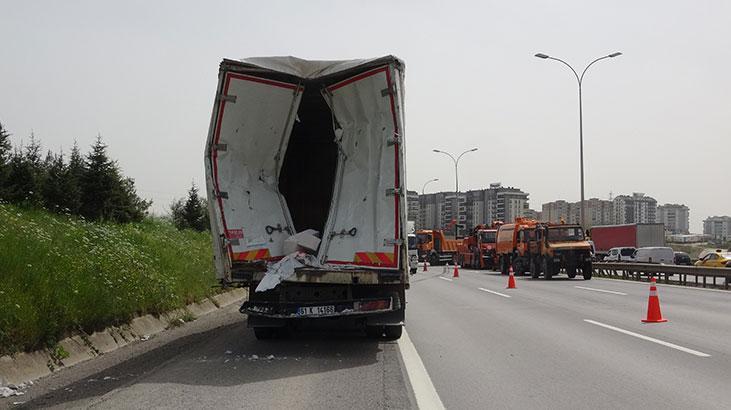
(298,145)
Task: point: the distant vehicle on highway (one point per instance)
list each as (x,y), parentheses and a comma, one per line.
(622,254)
(413,254)
(654,254)
(629,235)
(717,259)
(682,258)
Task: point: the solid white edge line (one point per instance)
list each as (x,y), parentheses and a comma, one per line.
(494,293)
(424,391)
(602,290)
(442,277)
(649,339)
(668,285)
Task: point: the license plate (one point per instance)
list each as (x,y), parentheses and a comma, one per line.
(316,310)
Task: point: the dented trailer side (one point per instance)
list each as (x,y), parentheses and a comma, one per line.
(286,134)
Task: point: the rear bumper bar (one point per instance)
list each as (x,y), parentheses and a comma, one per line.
(293,310)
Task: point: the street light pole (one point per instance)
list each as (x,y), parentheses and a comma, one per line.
(427,183)
(456,183)
(580,80)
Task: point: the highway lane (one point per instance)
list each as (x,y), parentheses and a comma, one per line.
(535,349)
(481,349)
(215,362)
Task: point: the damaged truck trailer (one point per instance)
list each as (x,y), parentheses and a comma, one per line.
(305,182)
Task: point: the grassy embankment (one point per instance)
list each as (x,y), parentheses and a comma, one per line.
(60,273)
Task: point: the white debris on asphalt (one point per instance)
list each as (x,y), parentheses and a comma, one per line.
(228,352)
(270,357)
(9,391)
(145,338)
(254,357)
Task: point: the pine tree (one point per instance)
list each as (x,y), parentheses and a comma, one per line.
(190,213)
(105,193)
(52,188)
(71,181)
(98,183)
(5,155)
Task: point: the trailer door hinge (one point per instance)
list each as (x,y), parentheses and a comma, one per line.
(220,147)
(394,191)
(227,98)
(393,141)
(223,194)
(388,91)
(392,242)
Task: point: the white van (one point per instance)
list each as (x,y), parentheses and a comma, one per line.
(622,254)
(655,254)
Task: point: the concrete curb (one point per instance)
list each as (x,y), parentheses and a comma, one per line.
(21,368)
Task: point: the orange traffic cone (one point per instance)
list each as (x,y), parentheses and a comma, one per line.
(653,306)
(424,265)
(456,271)
(511,279)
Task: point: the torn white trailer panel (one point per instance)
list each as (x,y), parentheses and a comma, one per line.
(298,145)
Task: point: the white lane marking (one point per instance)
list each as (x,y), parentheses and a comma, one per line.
(669,285)
(424,391)
(442,277)
(601,290)
(649,339)
(494,293)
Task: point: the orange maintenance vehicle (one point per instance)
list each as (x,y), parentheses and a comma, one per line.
(477,251)
(433,246)
(543,248)
(514,243)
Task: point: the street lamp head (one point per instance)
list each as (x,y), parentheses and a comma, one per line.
(436,150)
(615,54)
(435,179)
(541,55)
(473,149)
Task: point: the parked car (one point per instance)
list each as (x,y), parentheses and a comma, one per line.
(717,259)
(621,254)
(654,254)
(682,258)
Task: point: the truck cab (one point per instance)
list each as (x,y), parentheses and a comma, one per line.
(562,246)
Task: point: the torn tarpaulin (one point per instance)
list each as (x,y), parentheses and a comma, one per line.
(285,268)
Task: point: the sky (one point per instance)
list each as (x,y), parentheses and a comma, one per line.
(143,76)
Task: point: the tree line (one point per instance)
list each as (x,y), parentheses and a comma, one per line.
(89,185)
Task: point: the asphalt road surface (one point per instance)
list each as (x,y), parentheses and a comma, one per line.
(547,344)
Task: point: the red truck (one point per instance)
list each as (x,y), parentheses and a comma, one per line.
(630,235)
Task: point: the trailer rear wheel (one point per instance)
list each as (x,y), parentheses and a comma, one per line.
(394,332)
(264,333)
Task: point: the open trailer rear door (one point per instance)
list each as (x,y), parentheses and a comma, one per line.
(252,127)
(363,228)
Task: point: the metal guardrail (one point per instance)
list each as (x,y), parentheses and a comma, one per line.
(636,271)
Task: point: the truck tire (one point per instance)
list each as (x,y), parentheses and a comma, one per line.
(434,259)
(571,272)
(587,270)
(547,269)
(264,333)
(533,269)
(394,332)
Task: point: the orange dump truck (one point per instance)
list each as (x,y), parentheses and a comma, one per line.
(434,247)
(478,250)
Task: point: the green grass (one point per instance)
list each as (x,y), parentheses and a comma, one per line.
(60,274)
